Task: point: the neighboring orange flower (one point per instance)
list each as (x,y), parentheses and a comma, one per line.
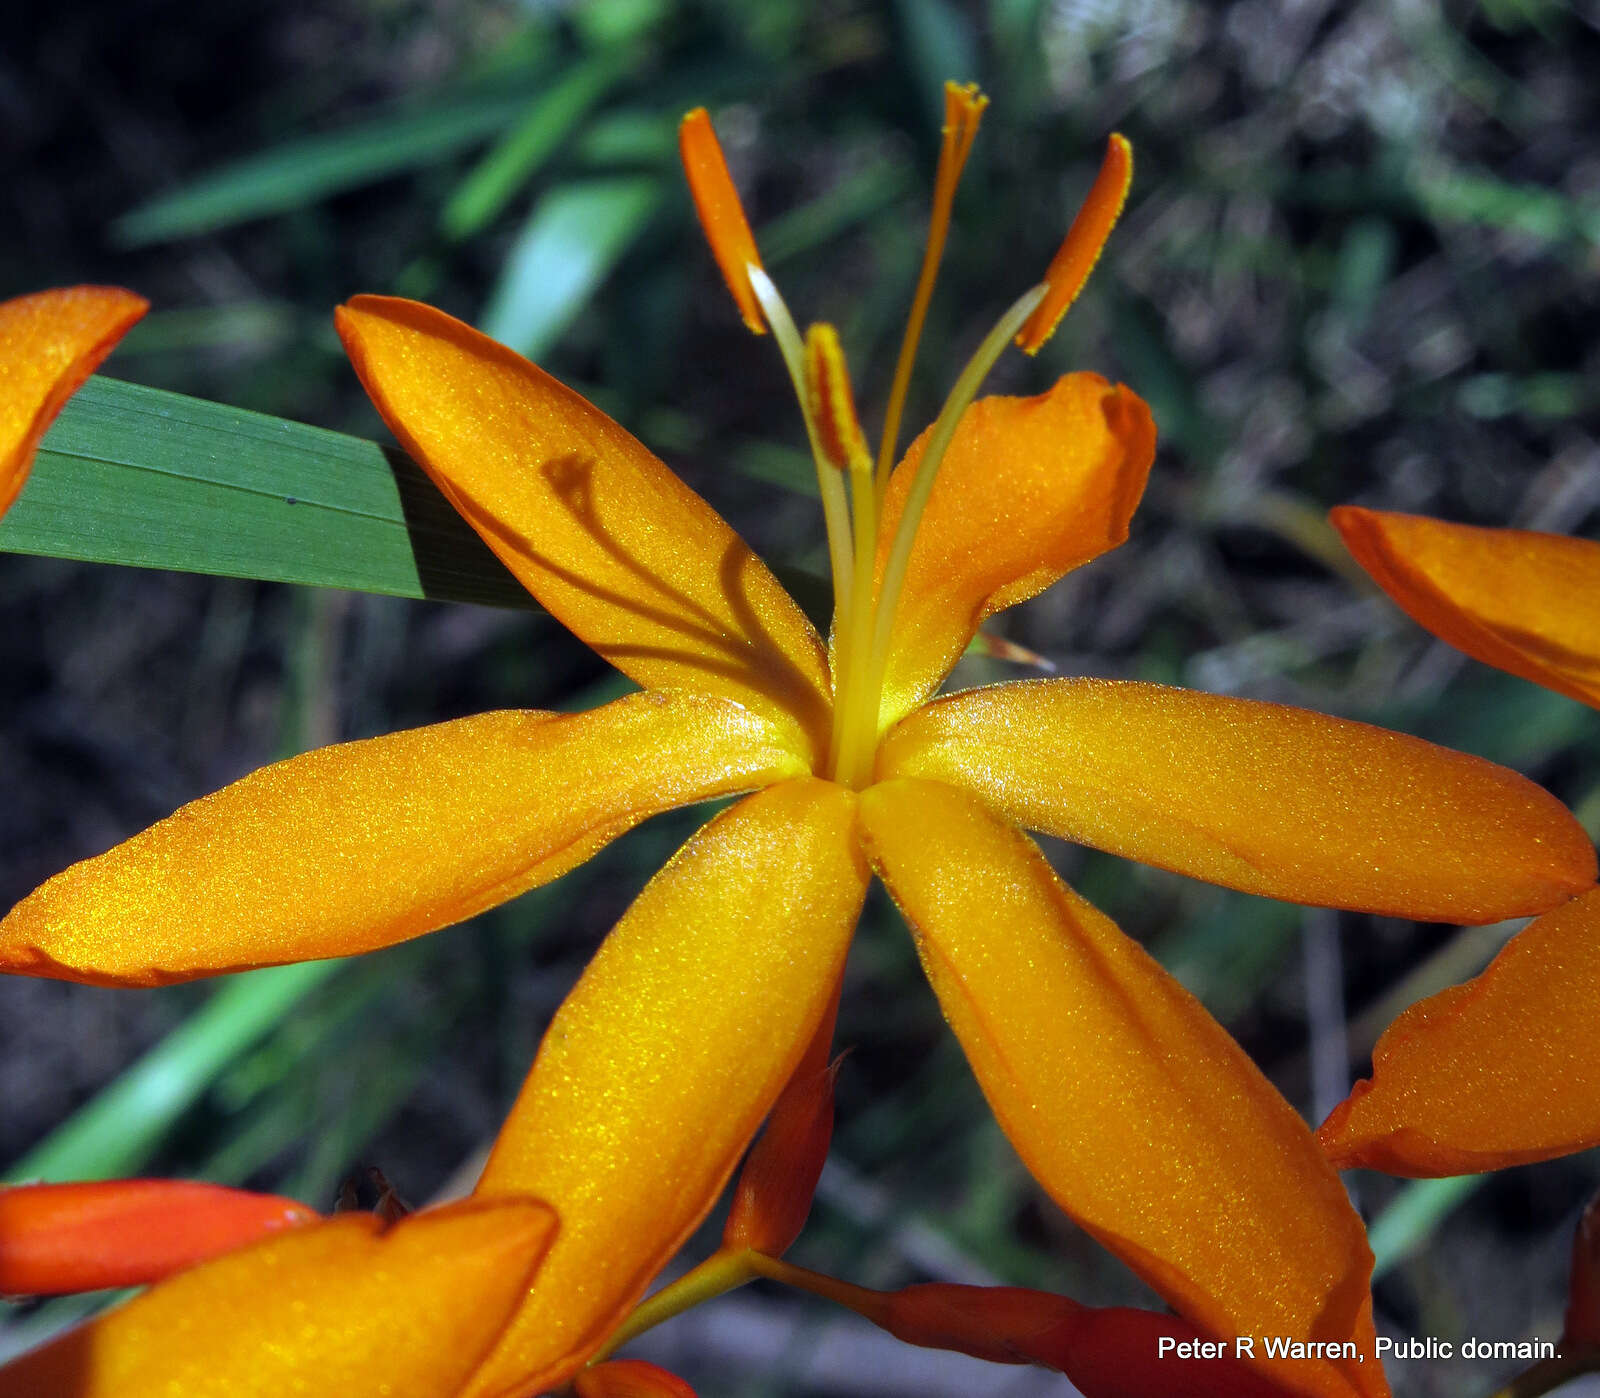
(50,342)
(1136,1111)
(1506,1068)
(350,1305)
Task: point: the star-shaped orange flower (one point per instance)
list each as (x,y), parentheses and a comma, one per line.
(1506,1068)
(1135,1110)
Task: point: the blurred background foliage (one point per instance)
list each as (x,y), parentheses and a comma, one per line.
(1361,262)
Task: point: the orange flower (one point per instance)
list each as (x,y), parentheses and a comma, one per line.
(1504,1069)
(347,1305)
(50,342)
(1136,1111)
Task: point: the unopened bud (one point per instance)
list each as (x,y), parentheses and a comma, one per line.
(775,1189)
(629,1378)
(1583,1289)
(56,1239)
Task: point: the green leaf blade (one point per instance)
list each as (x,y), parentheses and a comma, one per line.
(302,172)
(150,479)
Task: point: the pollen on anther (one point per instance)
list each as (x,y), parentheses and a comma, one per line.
(832,404)
(1080,249)
(722,216)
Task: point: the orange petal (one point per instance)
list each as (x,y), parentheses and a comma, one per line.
(1496,1072)
(361,845)
(341,1307)
(1525,602)
(605,536)
(50,343)
(659,1067)
(1030,488)
(1114,1352)
(60,1238)
(1134,1109)
(630,1378)
(1269,799)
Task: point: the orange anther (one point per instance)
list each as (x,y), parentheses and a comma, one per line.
(722,216)
(832,404)
(1080,249)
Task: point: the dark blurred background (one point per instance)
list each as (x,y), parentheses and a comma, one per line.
(1361,262)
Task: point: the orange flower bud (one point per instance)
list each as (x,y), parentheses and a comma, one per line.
(1124,1352)
(773,1196)
(1115,1352)
(60,1238)
(1583,1290)
(997,1323)
(630,1378)
(780,1174)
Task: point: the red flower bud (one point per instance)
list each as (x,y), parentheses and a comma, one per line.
(1583,1291)
(629,1378)
(61,1238)
(780,1174)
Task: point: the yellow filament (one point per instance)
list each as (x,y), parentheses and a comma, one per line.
(859,727)
(850,674)
(963,109)
(835,508)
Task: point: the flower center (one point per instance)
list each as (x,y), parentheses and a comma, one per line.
(852,488)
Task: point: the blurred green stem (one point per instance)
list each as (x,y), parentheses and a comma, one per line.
(120,1128)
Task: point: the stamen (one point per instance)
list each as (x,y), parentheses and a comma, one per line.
(830,483)
(833,406)
(716,201)
(1080,249)
(861,724)
(963,109)
(834,410)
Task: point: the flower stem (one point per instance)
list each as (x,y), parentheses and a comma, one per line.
(722,1271)
(860,1299)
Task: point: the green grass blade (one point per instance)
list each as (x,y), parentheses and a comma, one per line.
(118,1130)
(1412,1216)
(302,172)
(548,121)
(575,236)
(852,201)
(152,479)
